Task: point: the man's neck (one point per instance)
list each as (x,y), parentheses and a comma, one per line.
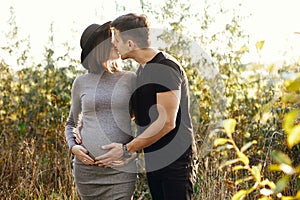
(143,56)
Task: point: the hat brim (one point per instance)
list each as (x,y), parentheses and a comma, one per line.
(89,43)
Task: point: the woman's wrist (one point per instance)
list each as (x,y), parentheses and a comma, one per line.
(72,149)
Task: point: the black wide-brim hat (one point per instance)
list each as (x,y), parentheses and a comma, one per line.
(89,37)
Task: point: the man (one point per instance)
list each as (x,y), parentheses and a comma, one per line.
(161,109)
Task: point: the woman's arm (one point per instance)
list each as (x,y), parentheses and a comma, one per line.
(79,151)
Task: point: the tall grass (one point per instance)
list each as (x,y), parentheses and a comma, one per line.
(34,104)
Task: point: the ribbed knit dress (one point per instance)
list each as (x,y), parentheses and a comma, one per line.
(103,100)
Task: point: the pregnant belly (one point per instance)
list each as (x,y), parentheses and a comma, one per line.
(93,141)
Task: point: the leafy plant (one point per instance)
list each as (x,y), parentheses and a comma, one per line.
(285,165)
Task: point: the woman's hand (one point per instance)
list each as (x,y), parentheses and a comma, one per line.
(82,154)
(77,130)
(76,133)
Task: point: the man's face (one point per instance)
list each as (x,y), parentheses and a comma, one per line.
(119,44)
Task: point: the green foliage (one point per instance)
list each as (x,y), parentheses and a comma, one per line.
(35,99)
(34,105)
(267,189)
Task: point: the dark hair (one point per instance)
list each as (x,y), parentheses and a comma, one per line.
(96,47)
(134,27)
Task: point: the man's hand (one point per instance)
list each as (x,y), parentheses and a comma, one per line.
(82,154)
(123,162)
(114,154)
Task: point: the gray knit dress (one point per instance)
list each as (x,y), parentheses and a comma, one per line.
(103,100)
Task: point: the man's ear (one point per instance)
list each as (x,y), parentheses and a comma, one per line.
(131,44)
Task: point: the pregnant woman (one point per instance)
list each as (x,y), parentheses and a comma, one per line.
(102,97)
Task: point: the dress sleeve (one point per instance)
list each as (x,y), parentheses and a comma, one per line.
(73,114)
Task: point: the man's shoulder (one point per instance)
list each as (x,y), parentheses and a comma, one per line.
(171,61)
(169,58)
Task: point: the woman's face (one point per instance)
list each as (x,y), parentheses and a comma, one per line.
(114,54)
(119,44)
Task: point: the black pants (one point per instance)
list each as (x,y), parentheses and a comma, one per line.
(173,182)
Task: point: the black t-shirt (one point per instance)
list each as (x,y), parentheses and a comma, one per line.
(162,75)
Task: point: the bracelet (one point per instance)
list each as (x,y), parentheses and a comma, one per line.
(126,153)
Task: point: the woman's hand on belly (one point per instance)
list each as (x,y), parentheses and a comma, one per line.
(82,154)
(77,134)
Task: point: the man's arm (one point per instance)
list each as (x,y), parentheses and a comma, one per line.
(167,107)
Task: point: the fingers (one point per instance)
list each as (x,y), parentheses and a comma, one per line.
(76,133)
(82,154)
(119,163)
(103,161)
(84,150)
(114,157)
(78,138)
(78,141)
(106,159)
(114,164)
(108,146)
(87,160)
(115,153)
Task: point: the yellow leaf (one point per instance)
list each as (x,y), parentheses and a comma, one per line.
(294,85)
(271,184)
(48,96)
(289,119)
(271,67)
(220,141)
(238,167)
(244,49)
(256,173)
(229,127)
(248,145)
(294,136)
(290,98)
(275,167)
(239,195)
(243,158)
(13,116)
(288,198)
(297,169)
(229,162)
(259,45)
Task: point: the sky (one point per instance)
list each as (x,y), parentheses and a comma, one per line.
(274,21)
